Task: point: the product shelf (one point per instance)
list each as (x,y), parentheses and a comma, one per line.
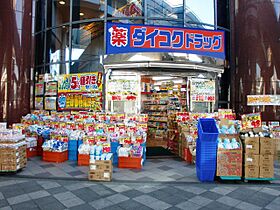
(259,179)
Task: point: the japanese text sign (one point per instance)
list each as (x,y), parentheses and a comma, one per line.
(124,38)
(86,82)
(261,100)
(252,120)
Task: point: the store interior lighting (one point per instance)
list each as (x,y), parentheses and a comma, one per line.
(61,2)
(162,78)
(82,14)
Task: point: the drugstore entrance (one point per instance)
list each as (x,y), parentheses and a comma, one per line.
(160,94)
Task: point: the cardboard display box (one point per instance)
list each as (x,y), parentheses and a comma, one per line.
(252,145)
(266,171)
(251,171)
(266,160)
(229,156)
(229,170)
(101,165)
(251,160)
(100,175)
(267,146)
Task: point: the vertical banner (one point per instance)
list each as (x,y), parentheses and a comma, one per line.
(80,91)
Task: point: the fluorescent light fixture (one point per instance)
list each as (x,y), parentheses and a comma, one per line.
(201,76)
(195,58)
(138,58)
(82,14)
(61,2)
(161,78)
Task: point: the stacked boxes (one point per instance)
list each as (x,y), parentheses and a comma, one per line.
(12,157)
(229,161)
(100,170)
(267,149)
(251,157)
(259,157)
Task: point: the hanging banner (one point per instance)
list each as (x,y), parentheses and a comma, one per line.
(262,100)
(125,38)
(80,91)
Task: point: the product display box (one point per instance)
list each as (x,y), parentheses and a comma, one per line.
(267,146)
(100,170)
(229,161)
(266,171)
(101,165)
(100,175)
(251,171)
(266,160)
(252,145)
(251,160)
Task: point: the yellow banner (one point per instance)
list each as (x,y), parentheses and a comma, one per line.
(86,82)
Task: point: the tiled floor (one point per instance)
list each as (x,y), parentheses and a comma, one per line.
(154,170)
(26,194)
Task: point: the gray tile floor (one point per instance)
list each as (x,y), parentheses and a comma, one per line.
(24,194)
(154,170)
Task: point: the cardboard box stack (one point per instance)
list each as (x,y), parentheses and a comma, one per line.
(12,151)
(229,161)
(251,157)
(100,170)
(267,149)
(259,157)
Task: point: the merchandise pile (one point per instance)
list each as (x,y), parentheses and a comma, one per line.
(78,134)
(12,150)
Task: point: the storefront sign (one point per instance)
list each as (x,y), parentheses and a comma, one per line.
(80,91)
(261,100)
(124,38)
(203,90)
(252,120)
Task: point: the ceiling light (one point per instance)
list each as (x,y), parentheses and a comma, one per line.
(82,14)
(61,2)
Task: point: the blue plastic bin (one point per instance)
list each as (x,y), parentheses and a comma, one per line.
(73,155)
(206,149)
(72,144)
(207,130)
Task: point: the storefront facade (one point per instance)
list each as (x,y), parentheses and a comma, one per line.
(71,37)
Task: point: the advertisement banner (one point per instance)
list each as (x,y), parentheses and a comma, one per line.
(80,91)
(39,89)
(51,88)
(262,100)
(203,90)
(50,103)
(86,82)
(125,38)
(252,120)
(122,90)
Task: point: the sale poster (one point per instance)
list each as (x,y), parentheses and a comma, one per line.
(252,120)
(39,89)
(122,89)
(39,102)
(51,88)
(50,103)
(80,92)
(203,90)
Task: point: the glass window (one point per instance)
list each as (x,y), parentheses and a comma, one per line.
(125,8)
(57,46)
(87,41)
(165,23)
(85,9)
(165,8)
(39,48)
(86,66)
(58,12)
(199,12)
(40,15)
(57,69)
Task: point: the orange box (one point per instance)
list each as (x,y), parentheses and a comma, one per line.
(56,157)
(83,160)
(130,162)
